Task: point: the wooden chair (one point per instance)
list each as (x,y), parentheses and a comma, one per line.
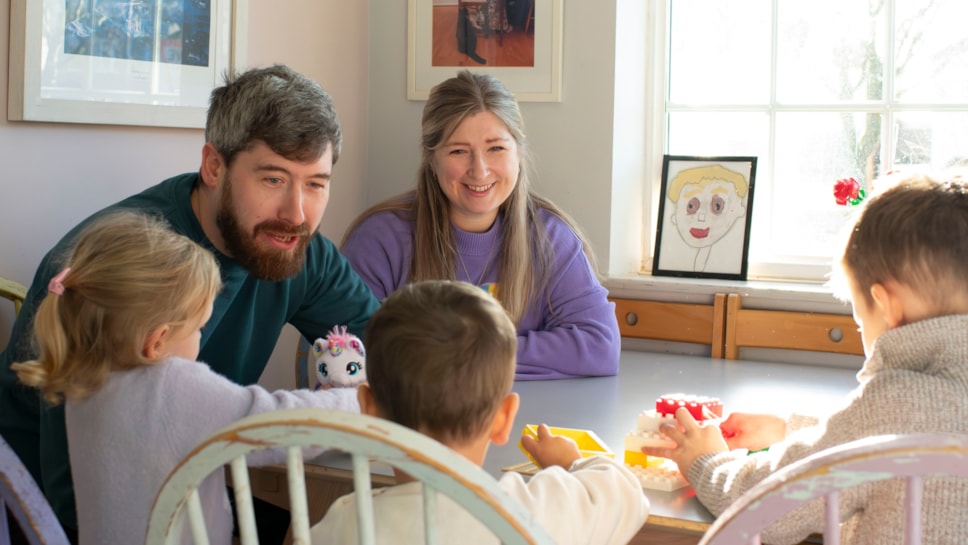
(679,322)
(363,437)
(20,495)
(789,330)
(14,291)
(823,475)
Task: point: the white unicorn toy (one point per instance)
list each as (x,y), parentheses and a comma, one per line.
(340,360)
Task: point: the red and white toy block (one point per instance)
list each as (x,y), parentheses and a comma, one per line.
(700,407)
(647,434)
(660,473)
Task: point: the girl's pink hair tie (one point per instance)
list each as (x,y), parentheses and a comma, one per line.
(56,284)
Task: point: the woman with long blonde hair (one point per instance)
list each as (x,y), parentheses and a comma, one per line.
(474,217)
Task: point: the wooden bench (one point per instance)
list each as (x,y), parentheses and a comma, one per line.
(814,331)
(727,327)
(679,322)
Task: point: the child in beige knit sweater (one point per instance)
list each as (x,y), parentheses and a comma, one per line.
(905,266)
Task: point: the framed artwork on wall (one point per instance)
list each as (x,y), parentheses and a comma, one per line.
(518,42)
(119,62)
(705,210)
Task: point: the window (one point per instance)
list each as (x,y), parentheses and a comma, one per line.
(818,91)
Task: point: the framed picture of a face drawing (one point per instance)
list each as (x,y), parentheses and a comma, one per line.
(705,208)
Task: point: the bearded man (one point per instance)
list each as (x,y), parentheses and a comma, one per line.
(271,140)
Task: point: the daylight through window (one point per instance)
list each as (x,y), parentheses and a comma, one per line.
(818,91)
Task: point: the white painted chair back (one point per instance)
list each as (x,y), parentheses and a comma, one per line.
(910,457)
(364,438)
(20,494)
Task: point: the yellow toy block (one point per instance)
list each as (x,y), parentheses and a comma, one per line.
(589,444)
(633,458)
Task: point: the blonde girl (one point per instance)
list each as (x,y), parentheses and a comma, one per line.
(118,335)
(132,285)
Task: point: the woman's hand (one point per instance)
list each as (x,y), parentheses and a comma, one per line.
(551,450)
(692,440)
(753,431)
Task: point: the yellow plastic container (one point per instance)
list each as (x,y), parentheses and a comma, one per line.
(589,444)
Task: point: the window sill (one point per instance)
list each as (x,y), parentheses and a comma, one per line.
(766,294)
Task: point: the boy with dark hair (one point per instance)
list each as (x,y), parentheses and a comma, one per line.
(441,360)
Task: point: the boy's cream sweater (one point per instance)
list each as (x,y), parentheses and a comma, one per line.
(916,381)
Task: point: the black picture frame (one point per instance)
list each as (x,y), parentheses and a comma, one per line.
(708,235)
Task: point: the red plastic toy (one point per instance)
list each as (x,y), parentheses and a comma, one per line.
(700,407)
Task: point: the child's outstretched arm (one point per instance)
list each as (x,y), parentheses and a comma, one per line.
(578,500)
(692,441)
(753,431)
(551,450)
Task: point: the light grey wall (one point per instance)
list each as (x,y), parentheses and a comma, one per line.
(572,140)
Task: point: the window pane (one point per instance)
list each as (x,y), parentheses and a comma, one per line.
(719,52)
(932,51)
(930,139)
(829,51)
(725,134)
(698,133)
(814,150)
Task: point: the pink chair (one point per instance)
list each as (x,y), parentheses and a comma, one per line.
(909,457)
(20,495)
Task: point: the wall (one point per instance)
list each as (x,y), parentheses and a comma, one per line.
(54,175)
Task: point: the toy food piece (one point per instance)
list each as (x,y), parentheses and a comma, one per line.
(660,473)
(589,444)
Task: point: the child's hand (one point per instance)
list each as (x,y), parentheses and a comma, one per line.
(692,441)
(551,450)
(753,431)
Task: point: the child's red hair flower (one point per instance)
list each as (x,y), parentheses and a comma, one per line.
(847,191)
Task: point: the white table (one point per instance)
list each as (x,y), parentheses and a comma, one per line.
(609,407)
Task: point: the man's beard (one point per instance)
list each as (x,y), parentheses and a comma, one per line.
(265,264)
